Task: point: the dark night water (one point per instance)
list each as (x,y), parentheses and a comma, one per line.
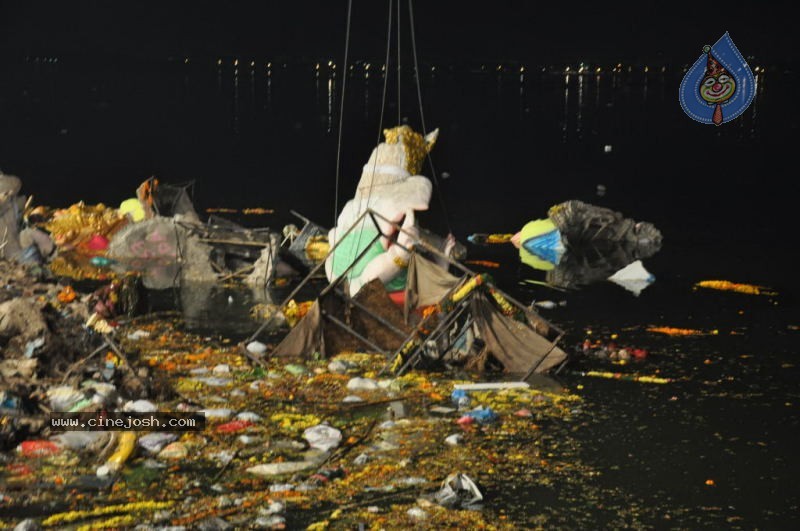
(725,199)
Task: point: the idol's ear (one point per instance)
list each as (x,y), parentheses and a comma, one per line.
(430,139)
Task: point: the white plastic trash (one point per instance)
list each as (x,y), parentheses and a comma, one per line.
(276,469)
(323,437)
(362,384)
(256,347)
(140,406)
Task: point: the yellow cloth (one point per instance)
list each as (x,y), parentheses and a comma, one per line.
(133,208)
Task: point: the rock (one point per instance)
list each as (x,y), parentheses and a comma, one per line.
(248,416)
(361,459)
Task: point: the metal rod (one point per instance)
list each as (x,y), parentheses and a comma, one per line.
(533,369)
(446,322)
(303,282)
(355,262)
(378,318)
(353,332)
(418,326)
(235,242)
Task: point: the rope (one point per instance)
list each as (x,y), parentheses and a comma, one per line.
(380,122)
(341,114)
(422,114)
(399,114)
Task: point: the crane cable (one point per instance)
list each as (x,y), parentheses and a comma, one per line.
(422,114)
(341,113)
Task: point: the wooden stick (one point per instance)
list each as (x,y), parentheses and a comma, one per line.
(237,273)
(235,242)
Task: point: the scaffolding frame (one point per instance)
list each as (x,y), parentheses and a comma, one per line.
(413,343)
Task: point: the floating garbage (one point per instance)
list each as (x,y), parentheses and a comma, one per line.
(257,348)
(81,440)
(277,469)
(460,398)
(416,513)
(323,437)
(38,448)
(140,406)
(362,384)
(64,398)
(174,451)
(156,441)
(482,415)
(217,413)
(454,440)
(126,443)
(138,334)
(458,490)
(633,277)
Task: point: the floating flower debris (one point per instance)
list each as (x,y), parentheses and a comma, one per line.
(483,263)
(671,331)
(246,211)
(627,377)
(726,285)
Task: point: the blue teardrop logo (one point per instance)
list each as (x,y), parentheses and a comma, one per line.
(719,86)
